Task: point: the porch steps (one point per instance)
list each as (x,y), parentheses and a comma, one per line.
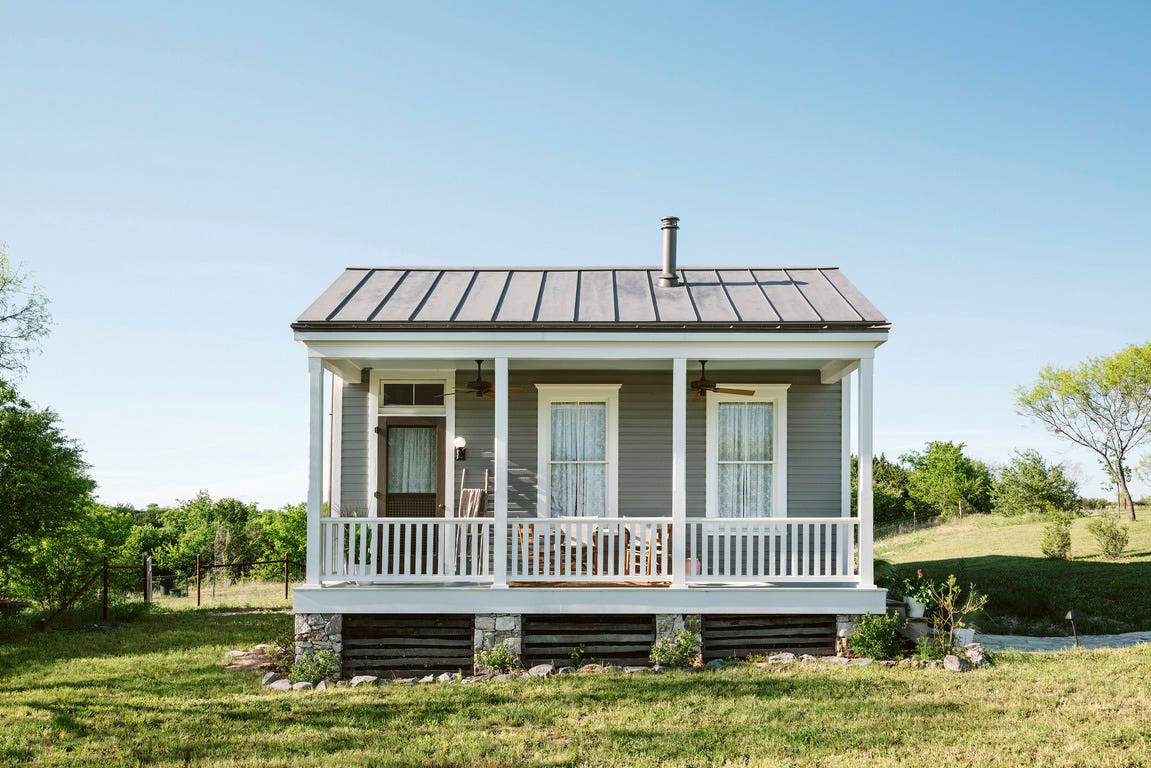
(609,639)
(407,645)
(725,636)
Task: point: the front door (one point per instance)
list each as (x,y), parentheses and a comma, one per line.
(411,466)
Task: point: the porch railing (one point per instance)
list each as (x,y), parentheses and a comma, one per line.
(406,549)
(589,549)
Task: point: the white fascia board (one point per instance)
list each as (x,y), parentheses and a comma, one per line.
(345,369)
(559,337)
(837,370)
(658,347)
(590,600)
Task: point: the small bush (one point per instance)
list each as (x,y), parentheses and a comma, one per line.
(1111,536)
(680,651)
(1056,543)
(928,649)
(500,659)
(316,666)
(877,637)
(283,648)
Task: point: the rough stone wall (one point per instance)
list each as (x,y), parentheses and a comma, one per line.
(320,632)
(844,626)
(495,628)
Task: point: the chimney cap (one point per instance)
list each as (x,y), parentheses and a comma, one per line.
(669,278)
(670,222)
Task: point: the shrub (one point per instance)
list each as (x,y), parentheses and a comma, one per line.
(680,651)
(500,659)
(952,610)
(927,649)
(283,648)
(877,637)
(1056,543)
(315,666)
(1111,536)
(1030,484)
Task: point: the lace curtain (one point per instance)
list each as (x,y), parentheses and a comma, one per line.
(411,460)
(577,481)
(746,460)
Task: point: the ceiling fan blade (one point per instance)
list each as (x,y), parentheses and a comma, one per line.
(490,393)
(726,391)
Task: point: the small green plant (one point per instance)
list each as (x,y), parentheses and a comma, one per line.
(1056,543)
(952,610)
(499,658)
(877,637)
(283,648)
(922,589)
(1111,536)
(680,651)
(927,649)
(578,654)
(315,666)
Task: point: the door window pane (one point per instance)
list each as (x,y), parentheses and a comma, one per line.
(411,460)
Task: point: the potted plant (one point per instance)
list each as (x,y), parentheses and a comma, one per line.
(919,594)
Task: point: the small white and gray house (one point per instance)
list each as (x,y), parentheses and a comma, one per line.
(557,458)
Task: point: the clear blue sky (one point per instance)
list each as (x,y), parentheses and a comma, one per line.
(184,179)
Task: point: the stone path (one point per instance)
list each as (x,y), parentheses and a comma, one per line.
(1025,643)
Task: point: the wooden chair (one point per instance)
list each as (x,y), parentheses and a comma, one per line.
(472,503)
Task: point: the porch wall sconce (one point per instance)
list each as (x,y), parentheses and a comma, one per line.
(461,446)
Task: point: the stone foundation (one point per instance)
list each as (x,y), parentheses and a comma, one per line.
(492,629)
(320,632)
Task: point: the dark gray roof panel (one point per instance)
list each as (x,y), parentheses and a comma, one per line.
(770,298)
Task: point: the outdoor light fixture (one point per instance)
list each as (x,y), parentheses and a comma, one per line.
(461,446)
(1071,617)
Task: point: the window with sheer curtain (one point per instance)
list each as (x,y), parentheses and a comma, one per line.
(577,450)
(746,447)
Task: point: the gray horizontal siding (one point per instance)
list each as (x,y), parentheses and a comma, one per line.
(354,448)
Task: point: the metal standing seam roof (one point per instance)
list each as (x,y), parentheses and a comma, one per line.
(768,298)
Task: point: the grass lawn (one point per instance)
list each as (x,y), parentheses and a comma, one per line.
(1029,593)
(155,693)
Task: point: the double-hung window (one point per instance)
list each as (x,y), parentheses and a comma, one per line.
(746,452)
(578,447)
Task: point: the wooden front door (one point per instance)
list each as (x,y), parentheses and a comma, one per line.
(410,474)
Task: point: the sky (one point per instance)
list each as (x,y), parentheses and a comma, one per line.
(184,179)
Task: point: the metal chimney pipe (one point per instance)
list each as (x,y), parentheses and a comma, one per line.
(669,278)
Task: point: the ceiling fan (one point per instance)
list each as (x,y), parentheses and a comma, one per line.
(703,385)
(480,386)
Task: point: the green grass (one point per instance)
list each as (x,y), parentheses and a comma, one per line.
(1029,593)
(155,693)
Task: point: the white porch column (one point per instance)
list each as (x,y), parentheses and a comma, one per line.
(846,544)
(315,465)
(866,424)
(500,574)
(679,472)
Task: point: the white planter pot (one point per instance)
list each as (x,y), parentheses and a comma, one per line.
(962,636)
(914,608)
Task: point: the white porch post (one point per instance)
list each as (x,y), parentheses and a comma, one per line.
(866,423)
(679,472)
(846,541)
(500,574)
(315,465)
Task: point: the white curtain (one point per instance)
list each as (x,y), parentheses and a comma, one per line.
(411,460)
(746,460)
(577,480)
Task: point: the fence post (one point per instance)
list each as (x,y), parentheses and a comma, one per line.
(285,575)
(197,581)
(105,589)
(148,579)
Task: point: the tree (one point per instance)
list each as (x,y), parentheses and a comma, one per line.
(1103,404)
(44,483)
(1030,484)
(945,480)
(24,315)
(890,497)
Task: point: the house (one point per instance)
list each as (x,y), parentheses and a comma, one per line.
(592,457)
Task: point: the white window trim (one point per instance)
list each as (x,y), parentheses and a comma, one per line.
(764,393)
(448,410)
(593,393)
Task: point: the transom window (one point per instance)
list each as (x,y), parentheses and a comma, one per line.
(578,445)
(394,394)
(746,450)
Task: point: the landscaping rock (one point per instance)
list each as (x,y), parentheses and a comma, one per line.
(504,677)
(716,664)
(281,685)
(976,655)
(322,685)
(933,663)
(955,664)
(269,678)
(542,670)
(404,681)
(888,663)
(835,660)
(234,654)
(807,657)
(446,677)
(359,680)
(427,679)
(633,670)
(591,668)
(781,658)
(303,685)
(863,662)
(565,670)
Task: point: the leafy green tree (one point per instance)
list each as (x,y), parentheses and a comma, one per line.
(889,490)
(1103,404)
(279,533)
(945,480)
(24,318)
(44,482)
(1030,484)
